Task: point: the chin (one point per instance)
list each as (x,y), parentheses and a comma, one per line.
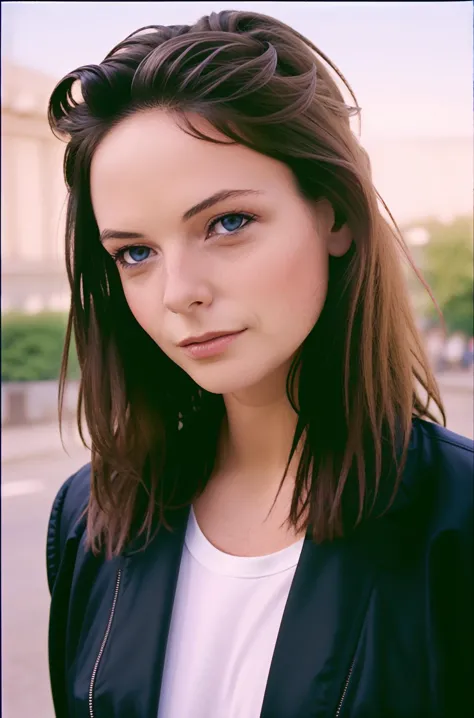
(222,384)
(219,378)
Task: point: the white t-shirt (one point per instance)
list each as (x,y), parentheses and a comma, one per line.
(224,625)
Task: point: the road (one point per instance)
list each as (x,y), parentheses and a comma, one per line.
(28,489)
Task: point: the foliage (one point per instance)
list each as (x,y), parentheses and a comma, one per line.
(446,262)
(32,346)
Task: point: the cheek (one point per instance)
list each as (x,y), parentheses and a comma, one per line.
(304,283)
(144,306)
(292,284)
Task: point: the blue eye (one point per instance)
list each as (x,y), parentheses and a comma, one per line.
(230,223)
(137,254)
(131,256)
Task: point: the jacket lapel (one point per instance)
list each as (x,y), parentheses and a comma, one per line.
(329,601)
(129,679)
(320,628)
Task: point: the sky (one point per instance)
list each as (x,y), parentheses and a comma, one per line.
(409,63)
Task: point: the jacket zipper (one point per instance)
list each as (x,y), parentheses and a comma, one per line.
(103,644)
(346,685)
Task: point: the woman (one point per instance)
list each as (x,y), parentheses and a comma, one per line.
(273,524)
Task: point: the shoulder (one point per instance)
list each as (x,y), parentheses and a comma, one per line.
(442,465)
(66,518)
(444,438)
(437,443)
(447,505)
(444,454)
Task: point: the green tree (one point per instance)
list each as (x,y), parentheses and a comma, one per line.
(446,262)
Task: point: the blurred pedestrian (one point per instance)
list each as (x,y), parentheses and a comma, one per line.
(434,342)
(454,350)
(468,358)
(272,524)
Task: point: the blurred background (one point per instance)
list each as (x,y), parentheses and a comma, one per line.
(410,65)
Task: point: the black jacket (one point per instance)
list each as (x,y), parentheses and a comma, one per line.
(378,625)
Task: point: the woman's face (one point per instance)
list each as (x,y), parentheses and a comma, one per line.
(212,238)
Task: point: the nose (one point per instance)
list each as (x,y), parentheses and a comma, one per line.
(186,286)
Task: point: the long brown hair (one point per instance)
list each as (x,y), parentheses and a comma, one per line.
(362,371)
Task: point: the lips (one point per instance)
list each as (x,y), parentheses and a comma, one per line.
(206,338)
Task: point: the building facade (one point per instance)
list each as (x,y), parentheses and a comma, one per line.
(33,196)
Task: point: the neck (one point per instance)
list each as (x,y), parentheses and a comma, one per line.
(258,431)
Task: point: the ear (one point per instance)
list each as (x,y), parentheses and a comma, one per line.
(339,240)
(335,230)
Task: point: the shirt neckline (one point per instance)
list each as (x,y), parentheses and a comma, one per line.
(226,564)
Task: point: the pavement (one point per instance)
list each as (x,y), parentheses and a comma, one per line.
(38,440)
(28,490)
(457,380)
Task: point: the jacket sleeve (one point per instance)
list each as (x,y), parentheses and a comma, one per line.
(61,519)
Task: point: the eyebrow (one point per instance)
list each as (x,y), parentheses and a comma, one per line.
(207,203)
(107,234)
(215,198)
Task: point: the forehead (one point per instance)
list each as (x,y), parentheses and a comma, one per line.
(149,155)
